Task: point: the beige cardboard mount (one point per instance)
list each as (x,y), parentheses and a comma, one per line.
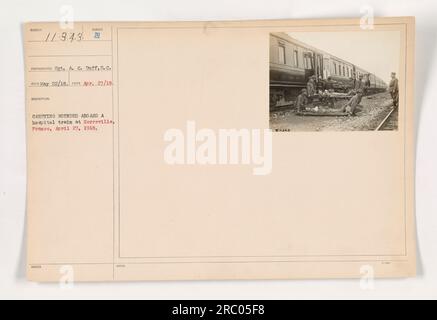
(103,204)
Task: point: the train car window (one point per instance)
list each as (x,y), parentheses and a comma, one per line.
(296,58)
(307,60)
(281,56)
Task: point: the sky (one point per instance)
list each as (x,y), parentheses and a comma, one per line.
(375,51)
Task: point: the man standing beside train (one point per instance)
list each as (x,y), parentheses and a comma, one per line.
(311,88)
(393,88)
(361,86)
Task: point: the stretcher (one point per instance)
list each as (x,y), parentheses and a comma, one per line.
(322,114)
(335,95)
(321,111)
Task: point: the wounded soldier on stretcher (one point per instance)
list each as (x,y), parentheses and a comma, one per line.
(351,106)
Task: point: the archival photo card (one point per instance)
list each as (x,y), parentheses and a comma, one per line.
(154,154)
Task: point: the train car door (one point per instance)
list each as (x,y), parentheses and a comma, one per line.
(308,64)
(318,66)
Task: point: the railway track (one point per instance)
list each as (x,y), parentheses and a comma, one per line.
(389,122)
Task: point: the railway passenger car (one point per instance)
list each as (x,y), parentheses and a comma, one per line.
(376,84)
(293,62)
(291,65)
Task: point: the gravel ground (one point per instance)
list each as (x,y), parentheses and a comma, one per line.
(372,111)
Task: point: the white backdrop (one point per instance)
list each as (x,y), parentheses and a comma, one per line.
(12,146)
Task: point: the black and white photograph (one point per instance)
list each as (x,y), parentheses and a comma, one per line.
(334,81)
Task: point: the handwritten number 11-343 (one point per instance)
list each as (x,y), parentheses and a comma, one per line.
(64,36)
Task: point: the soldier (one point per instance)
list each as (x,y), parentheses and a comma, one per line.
(352,104)
(393,88)
(362,86)
(359,84)
(311,86)
(302,100)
